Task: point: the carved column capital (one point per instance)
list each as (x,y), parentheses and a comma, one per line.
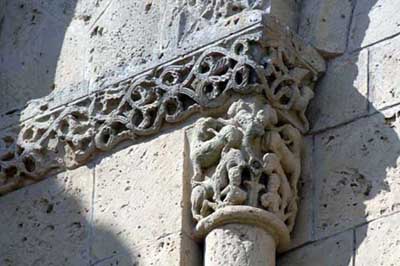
(247,160)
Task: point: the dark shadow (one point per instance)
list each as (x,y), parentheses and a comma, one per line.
(380,150)
(50,223)
(31,39)
(353,158)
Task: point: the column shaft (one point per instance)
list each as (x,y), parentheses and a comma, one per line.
(239,244)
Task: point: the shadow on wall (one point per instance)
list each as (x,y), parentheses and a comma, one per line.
(49,223)
(379,153)
(353,163)
(31,39)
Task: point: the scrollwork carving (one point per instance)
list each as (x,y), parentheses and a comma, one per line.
(203,82)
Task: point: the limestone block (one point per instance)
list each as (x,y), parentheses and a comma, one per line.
(139,193)
(30,41)
(334,251)
(124,39)
(43,50)
(131,37)
(169,250)
(384,78)
(71,64)
(378,243)
(287,11)
(176,249)
(373,20)
(325,25)
(48,223)
(356,169)
(341,94)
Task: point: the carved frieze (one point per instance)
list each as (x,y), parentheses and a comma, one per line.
(266,61)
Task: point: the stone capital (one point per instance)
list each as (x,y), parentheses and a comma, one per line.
(247,160)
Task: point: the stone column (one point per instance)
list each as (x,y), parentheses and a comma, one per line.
(239,244)
(241,235)
(247,159)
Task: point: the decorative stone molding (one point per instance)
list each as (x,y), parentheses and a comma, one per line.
(247,162)
(246,169)
(265,60)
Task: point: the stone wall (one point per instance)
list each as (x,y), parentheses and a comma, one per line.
(105,213)
(130,205)
(350,192)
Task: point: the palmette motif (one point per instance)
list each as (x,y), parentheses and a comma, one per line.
(204,82)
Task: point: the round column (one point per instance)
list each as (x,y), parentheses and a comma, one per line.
(239,244)
(242,236)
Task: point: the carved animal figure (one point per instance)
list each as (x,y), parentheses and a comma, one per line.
(301,103)
(242,114)
(201,197)
(271,200)
(273,168)
(206,195)
(209,143)
(285,142)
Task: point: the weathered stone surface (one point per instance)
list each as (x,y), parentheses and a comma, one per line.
(70,68)
(168,250)
(43,50)
(356,170)
(341,94)
(124,39)
(133,36)
(378,243)
(384,78)
(27,61)
(287,11)
(245,158)
(88,38)
(303,231)
(373,20)
(325,25)
(334,251)
(48,223)
(238,244)
(202,82)
(139,193)
(121,41)
(10,118)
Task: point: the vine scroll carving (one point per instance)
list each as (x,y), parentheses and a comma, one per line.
(258,83)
